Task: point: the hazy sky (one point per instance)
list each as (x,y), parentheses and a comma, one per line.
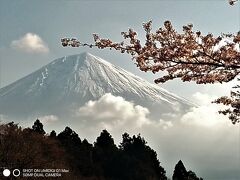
(30,36)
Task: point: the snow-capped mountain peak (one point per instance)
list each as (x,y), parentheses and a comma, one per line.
(73,80)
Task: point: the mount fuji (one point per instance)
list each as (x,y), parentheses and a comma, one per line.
(71,81)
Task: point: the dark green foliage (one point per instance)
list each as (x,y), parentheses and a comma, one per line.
(38,127)
(105,141)
(68,136)
(79,153)
(104,154)
(53,134)
(132,160)
(26,148)
(142,160)
(192,176)
(180,173)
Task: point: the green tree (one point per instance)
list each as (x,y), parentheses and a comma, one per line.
(193,176)
(105,141)
(24,148)
(79,152)
(141,158)
(53,134)
(180,172)
(104,154)
(69,137)
(38,127)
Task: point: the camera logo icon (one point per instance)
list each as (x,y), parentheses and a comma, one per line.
(6,172)
(15,172)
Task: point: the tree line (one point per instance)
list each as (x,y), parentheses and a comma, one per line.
(133,159)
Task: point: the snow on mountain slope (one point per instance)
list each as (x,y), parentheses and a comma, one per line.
(71,81)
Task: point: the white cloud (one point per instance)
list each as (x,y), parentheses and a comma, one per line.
(165,124)
(46,120)
(202,98)
(116,114)
(30,43)
(206,114)
(219,89)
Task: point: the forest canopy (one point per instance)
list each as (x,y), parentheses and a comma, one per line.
(133,159)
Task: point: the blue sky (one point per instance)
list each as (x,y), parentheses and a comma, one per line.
(31,30)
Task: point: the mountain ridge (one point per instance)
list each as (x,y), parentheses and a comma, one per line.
(76,79)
